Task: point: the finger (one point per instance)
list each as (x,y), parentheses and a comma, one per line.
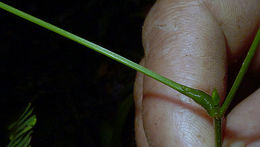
(138,98)
(183,42)
(239,20)
(242,126)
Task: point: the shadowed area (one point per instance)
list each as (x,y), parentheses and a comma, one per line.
(78,95)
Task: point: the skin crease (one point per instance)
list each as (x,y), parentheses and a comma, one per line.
(193,43)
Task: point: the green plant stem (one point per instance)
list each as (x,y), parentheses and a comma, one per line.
(218,131)
(88,44)
(241,73)
(198,96)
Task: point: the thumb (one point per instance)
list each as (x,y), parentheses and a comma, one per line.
(182,42)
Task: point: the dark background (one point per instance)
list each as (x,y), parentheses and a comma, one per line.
(80,98)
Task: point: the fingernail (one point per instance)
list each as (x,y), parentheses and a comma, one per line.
(254,144)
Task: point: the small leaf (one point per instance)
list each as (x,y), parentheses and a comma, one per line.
(215,98)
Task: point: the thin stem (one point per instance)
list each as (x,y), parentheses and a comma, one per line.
(218,131)
(89,44)
(241,73)
(198,96)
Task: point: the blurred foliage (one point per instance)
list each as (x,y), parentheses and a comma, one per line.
(21,129)
(77,94)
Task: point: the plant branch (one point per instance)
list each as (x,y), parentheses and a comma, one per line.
(198,96)
(241,73)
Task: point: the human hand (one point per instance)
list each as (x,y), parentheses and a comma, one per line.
(195,43)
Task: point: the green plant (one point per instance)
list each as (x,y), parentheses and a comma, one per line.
(21,129)
(210,103)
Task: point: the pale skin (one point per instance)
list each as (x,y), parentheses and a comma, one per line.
(195,42)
